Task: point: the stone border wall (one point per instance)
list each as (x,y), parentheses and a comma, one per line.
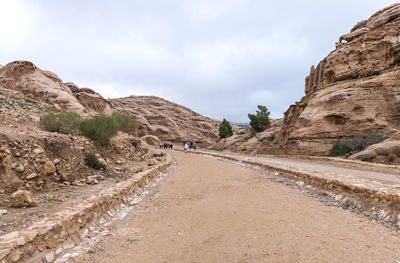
(19,246)
(372,196)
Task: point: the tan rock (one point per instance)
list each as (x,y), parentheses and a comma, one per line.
(49,168)
(151,162)
(31,176)
(16,183)
(22,198)
(16,256)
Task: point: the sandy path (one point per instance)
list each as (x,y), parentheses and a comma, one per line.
(214,211)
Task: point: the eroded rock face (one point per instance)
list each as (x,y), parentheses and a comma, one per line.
(22,198)
(48,90)
(168,121)
(354,90)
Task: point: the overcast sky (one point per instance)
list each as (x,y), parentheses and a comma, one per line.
(220,58)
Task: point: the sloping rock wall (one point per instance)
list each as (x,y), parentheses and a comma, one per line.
(354,90)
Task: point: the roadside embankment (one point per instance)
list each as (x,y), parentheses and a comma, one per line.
(69,224)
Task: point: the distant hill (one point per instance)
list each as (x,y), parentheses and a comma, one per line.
(241,124)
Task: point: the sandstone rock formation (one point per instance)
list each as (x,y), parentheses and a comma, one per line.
(22,198)
(49,91)
(168,121)
(355,90)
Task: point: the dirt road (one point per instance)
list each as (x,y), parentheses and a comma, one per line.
(215,211)
(368,175)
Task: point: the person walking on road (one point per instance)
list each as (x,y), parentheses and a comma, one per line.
(186,147)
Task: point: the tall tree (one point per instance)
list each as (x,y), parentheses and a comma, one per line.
(260,121)
(225,129)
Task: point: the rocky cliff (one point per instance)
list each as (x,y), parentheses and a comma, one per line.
(355,90)
(168,121)
(47,89)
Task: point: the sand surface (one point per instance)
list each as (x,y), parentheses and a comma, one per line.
(215,211)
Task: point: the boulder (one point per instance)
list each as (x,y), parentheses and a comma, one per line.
(49,168)
(22,198)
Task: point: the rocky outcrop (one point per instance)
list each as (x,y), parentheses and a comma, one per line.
(46,89)
(354,90)
(168,121)
(22,198)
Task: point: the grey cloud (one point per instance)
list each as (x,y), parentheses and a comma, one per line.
(220,58)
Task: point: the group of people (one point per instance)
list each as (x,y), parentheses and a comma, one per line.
(189,145)
(166,146)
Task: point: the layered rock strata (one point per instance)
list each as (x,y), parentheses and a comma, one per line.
(47,89)
(354,90)
(168,121)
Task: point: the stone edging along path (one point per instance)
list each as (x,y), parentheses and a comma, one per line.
(377,199)
(18,246)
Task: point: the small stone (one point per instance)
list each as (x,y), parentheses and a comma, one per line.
(67,183)
(17,256)
(98,177)
(20,168)
(56,161)
(16,183)
(13,166)
(22,198)
(31,176)
(59,251)
(91,180)
(49,168)
(61,260)
(68,244)
(37,151)
(102,161)
(3,212)
(49,257)
(119,162)
(151,162)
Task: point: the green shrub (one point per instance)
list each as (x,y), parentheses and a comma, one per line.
(158,155)
(66,122)
(146,150)
(124,121)
(225,130)
(92,161)
(260,121)
(359,142)
(339,149)
(396,151)
(99,128)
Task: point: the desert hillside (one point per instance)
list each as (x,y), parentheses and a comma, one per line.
(354,91)
(156,117)
(168,121)
(46,89)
